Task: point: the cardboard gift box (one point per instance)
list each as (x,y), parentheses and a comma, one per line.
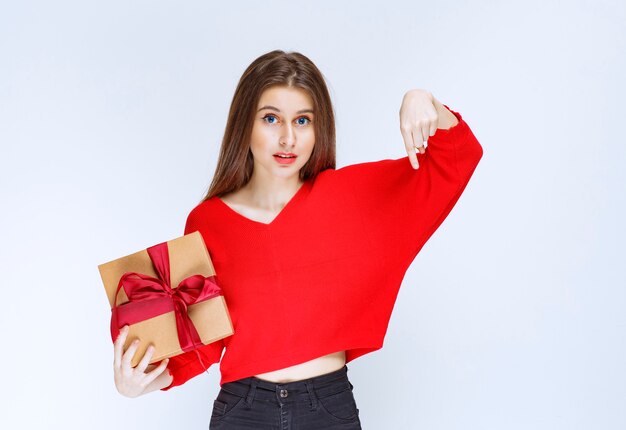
(169,296)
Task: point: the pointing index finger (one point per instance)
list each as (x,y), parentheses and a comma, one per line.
(410,149)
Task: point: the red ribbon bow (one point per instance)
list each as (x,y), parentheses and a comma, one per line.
(149,297)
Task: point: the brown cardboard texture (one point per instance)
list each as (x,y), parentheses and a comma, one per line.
(188,256)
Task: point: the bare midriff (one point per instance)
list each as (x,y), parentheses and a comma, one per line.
(309,369)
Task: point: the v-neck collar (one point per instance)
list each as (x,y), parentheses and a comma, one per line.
(288,206)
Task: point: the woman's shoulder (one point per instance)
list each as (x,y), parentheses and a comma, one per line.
(203,210)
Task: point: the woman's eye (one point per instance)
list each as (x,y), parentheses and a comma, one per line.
(269,116)
(305,118)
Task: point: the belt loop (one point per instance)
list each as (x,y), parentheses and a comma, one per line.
(312,395)
(251,392)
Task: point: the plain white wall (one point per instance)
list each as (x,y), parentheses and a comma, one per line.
(511,317)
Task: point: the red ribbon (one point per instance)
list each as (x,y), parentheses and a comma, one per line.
(149,297)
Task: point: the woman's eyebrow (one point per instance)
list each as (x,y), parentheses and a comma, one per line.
(278,110)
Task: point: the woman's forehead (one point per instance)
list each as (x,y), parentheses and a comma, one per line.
(286,99)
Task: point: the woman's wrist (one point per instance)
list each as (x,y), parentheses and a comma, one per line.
(446,118)
(165,379)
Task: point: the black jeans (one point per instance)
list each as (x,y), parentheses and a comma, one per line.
(323,402)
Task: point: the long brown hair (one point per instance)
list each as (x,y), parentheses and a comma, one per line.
(235,163)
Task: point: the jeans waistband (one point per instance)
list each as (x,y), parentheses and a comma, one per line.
(259,389)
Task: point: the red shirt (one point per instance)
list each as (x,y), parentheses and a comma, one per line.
(324,275)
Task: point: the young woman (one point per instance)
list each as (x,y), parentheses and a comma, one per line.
(310,258)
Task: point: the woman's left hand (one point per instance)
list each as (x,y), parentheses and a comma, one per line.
(418,121)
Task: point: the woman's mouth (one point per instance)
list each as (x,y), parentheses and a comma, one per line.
(285,158)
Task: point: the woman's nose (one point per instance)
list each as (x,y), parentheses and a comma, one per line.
(288,135)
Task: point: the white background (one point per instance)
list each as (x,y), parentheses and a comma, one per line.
(511,317)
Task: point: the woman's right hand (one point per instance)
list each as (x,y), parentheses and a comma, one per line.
(133,381)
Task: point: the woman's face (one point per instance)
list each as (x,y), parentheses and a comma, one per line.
(283,123)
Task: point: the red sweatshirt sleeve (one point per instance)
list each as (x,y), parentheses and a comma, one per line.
(401,207)
(185,366)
